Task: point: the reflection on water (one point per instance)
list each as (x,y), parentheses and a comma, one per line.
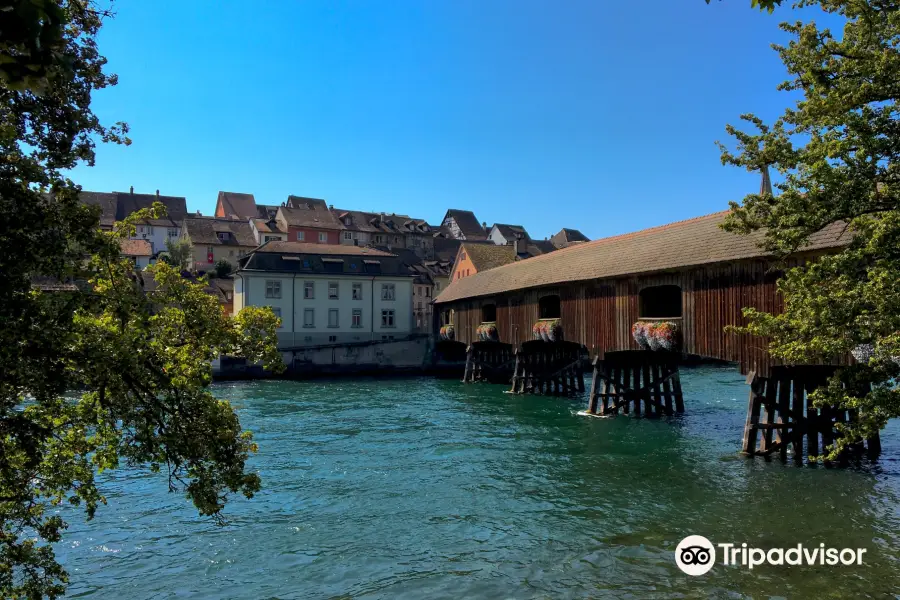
(422,488)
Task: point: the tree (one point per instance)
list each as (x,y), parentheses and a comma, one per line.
(768,5)
(223,268)
(142,358)
(178,253)
(837,150)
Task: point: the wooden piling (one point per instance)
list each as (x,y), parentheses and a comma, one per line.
(623,380)
(789,414)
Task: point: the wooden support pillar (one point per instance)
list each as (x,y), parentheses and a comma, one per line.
(789,415)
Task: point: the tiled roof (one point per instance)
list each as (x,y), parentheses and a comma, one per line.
(266,211)
(682,244)
(309,217)
(568,236)
(298,257)
(204,231)
(308,248)
(467,223)
(176,207)
(488,256)
(306,203)
(369,222)
(267,226)
(509,231)
(242,206)
(446,248)
(107,204)
(136,248)
(116,206)
(536,247)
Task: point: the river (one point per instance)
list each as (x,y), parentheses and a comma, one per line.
(420,488)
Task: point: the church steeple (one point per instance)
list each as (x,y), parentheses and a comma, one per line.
(765,186)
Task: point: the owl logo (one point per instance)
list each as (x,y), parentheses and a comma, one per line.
(695,555)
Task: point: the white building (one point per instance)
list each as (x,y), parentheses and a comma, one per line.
(504,235)
(327,294)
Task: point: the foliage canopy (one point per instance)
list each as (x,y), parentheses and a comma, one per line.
(137,350)
(837,151)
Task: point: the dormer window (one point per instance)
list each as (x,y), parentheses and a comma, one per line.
(223,236)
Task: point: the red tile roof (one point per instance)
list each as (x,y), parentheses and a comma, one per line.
(136,248)
(676,245)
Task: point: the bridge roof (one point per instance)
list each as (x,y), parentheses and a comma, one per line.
(693,242)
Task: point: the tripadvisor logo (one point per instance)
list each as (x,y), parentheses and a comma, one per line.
(696,555)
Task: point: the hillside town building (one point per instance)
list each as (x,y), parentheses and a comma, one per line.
(327,294)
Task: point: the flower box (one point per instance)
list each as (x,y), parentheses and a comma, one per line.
(548,330)
(447,332)
(487,332)
(657,335)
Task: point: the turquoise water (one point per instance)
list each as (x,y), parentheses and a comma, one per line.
(418,488)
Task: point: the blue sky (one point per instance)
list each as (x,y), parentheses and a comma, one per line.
(595,114)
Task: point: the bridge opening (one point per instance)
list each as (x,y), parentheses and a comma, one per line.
(489,313)
(548,307)
(660,302)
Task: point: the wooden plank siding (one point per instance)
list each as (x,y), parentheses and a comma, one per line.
(600,313)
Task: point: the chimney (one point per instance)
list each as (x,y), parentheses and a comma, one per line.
(132,190)
(331,207)
(157,194)
(484,225)
(519,245)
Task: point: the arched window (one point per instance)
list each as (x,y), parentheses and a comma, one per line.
(488,313)
(660,302)
(548,307)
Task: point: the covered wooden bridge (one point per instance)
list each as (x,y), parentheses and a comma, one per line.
(691,273)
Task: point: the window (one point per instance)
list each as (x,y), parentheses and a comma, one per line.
(271,238)
(462,255)
(418,305)
(428,292)
(387,291)
(307,338)
(333,290)
(273,288)
(333,317)
(309,317)
(660,302)
(309,290)
(357,291)
(231,253)
(396,239)
(348,235)
(276,310)
(173,232)
(300,236)
(379,239)
(323,237)
(548,307)
(357,318)
(222,235)
(387,318)
(488,313)
(332,338)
